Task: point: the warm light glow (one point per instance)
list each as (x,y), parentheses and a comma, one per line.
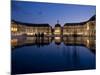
(11,29)
(66,33)
(45,33)
(14,29)
(87,26)
(57,31)
(87,41)
(85,33)
(14,42)
(57,38)
(29,33)
(80,33)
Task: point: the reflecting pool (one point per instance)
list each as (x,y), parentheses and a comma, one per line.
(50,54)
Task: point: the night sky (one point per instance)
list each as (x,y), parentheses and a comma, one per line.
(36,12)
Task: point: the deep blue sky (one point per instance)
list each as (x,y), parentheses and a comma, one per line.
(35,12)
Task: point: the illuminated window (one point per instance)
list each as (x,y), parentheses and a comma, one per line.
(13,29)
(57,31)
(87,26)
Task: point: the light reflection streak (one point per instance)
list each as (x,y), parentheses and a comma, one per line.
(88,42)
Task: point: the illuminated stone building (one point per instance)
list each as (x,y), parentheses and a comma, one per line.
(91,26)
(73,29)
(14,28)
(86,28)
(57,29)
(19,28)
(38,29)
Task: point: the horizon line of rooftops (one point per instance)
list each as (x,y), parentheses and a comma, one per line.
(93,18)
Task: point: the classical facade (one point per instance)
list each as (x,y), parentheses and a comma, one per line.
(57,30)
(18,28)
(38,29)
(86,28)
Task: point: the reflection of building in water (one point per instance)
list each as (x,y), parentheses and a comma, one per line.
(18,28)
(73,40)
(57,40)
(38,41)
(86,28)
(14,42)
(89,42)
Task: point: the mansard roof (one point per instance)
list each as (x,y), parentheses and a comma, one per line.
(93,18)
(57,25)
(72,24)
(31,24)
